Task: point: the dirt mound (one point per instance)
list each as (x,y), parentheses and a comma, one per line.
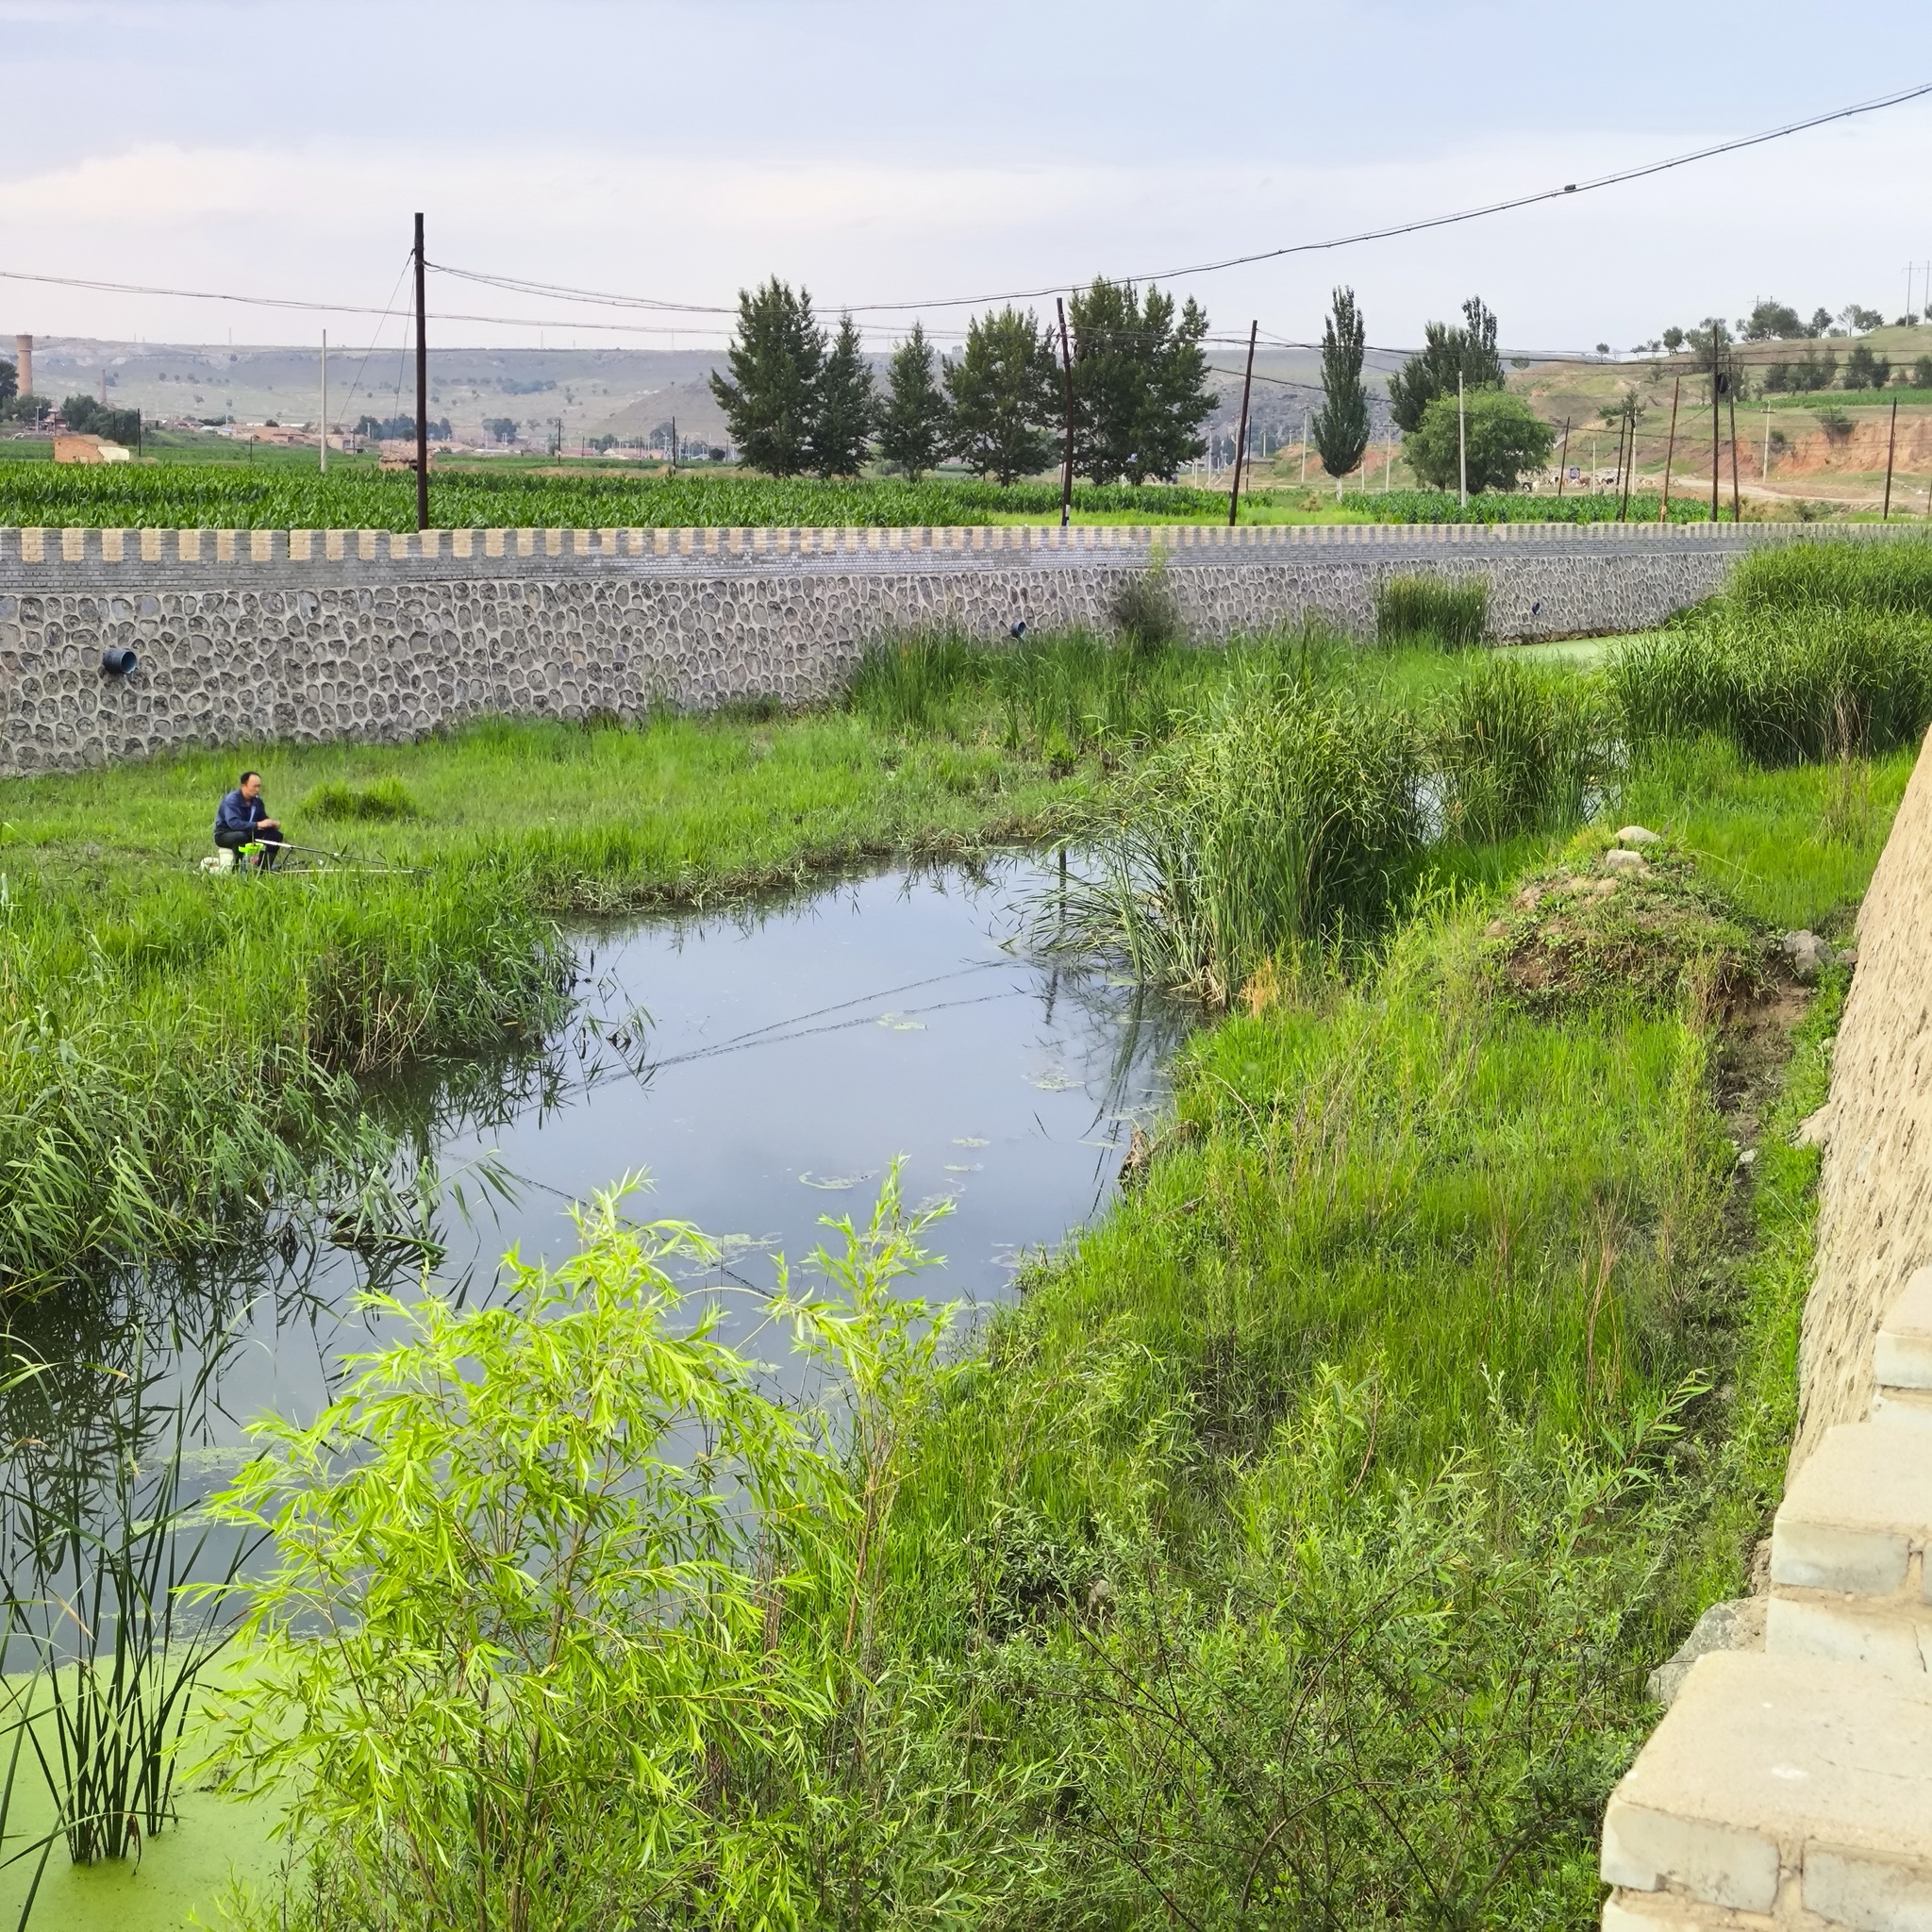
(1624,927)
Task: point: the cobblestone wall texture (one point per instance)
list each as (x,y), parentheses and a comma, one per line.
(243,637)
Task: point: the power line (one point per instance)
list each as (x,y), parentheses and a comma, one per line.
(1202,268)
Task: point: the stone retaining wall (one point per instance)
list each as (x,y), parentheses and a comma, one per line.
(246,636)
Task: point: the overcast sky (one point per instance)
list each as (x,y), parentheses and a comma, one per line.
(888,150)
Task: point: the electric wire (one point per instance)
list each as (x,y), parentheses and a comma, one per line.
(1422,226)
(660,305)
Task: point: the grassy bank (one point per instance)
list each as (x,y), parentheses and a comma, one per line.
(174,1045)
(1294,1552)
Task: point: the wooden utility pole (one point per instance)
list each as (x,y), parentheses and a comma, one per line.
(1461,446)
(1563,459)
(1663,510)
(1891,446)
(322,441)
(1629,456)
(1737,512)
(422,393)
(1240,440)
(1716,388)
(1067,386)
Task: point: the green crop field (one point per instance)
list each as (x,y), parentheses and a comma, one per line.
(270,494)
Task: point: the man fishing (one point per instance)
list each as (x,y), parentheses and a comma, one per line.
(242,820)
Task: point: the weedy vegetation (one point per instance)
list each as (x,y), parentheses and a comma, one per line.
(1293,1549)
(1449,612)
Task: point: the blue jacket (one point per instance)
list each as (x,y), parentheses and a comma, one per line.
(239,814)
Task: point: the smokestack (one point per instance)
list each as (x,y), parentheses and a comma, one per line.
(24,352)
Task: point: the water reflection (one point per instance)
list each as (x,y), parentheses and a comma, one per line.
(762,1064)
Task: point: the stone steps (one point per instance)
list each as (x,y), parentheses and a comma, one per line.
(1790,1790)
(1848,1552)
(1779,1790)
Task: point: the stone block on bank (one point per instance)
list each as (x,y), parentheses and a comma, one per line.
(1780,1785)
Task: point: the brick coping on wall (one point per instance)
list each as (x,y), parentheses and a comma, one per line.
(57,545)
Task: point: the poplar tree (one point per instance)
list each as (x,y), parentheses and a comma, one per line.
(1005,392)
(772,400)
(1469,351)
(1341,425)
(915,425)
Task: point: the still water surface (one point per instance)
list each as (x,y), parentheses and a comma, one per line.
(763,1068)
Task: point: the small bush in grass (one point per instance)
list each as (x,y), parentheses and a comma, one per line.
(385,799)
(1143,609)
(1518,750)
(1453,612)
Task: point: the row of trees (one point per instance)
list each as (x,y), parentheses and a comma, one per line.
(1133,378)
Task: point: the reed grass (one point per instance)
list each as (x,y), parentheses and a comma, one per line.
(1274,827)
(1791,683)
(1520,749)
(1891,579)
(1451,614)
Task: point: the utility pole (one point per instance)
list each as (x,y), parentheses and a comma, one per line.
(322,441)
(1067,391)
(1891,446)
(1563,460)
(1305,448)
(1663,509)
(1764,470)
(1628,457)
(422,392)
(672,467)
(1716,383)
(1461,445)
(1731,393)
(1240,440)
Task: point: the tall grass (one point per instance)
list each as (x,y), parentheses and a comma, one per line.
(1450,612)
(1892,578)
(1053,697)
(176,1053)
(1785,683)
(1273,826)
(1519,749)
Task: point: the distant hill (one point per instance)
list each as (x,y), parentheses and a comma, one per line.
(622,393)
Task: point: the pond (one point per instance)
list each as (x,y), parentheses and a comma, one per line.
(762,1066)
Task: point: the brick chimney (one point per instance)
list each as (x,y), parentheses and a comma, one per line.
(23,354)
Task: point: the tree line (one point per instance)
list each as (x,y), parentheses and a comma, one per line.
(1132,377)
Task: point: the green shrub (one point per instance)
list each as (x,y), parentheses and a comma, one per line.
(1450,611)
(383,800)
(1142,607)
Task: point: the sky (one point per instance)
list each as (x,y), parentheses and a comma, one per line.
(891,151)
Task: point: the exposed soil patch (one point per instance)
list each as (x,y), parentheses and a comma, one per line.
(1648,931)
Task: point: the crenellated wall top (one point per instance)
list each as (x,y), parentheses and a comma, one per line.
(57,550)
